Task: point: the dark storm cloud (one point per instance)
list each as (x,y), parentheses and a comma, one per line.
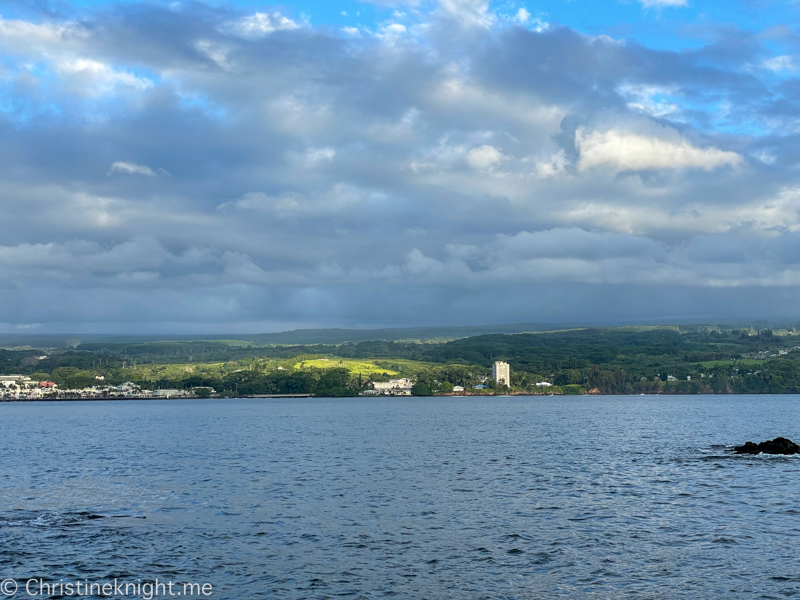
(196,167)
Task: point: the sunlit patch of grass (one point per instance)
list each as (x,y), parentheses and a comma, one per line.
(364,367)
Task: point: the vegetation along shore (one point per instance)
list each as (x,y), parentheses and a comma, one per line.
(707,359)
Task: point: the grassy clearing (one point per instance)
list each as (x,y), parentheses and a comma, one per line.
(366,368)
(405,366)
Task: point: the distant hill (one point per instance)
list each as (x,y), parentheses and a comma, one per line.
(341,336)
(294,337)
(332,336)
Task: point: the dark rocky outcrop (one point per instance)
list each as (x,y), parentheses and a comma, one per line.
(779,445)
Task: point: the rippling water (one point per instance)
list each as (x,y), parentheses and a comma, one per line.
(574,497)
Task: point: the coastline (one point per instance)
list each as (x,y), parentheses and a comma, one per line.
(459,395)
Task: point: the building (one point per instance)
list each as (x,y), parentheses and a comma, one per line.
(170,393)
(8,380)
(501,373)
(395,387)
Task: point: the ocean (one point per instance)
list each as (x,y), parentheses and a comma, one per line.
(447,497)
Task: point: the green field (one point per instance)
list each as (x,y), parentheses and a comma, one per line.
(366,368)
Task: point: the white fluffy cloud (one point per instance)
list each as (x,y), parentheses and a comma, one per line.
(259,24)
(91,77)
(522,16)
(623,151)
(484,157)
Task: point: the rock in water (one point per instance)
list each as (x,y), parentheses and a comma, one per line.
(779,445)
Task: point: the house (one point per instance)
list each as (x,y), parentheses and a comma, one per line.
(458,388)
(544,384)
(479,387)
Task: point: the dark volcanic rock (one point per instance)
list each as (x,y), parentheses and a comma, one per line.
(777,446)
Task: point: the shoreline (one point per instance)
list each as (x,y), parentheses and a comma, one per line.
(382,397)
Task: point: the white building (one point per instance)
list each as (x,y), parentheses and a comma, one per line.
(169,393)
(8,380)
(501,373)
(394,386)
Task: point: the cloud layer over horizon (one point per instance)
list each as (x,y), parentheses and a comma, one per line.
(194,168)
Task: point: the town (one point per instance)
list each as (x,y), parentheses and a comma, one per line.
(22,387)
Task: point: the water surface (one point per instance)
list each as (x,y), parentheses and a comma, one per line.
(548,497)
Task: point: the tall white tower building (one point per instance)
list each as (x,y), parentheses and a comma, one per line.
(501,373)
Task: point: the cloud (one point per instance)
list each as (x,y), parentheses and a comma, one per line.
(131,169)
(392,33)
(663,3)
(313,157)
(470,13)
(18,36)
(259,24)
(92,78)
(484,157)
(555,164)
(578,256)
(338,199)
(446,165)
(780,63)
(623,151)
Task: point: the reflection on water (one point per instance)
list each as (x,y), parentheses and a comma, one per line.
(550,497)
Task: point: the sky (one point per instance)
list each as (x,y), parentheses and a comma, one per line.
(214,167)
